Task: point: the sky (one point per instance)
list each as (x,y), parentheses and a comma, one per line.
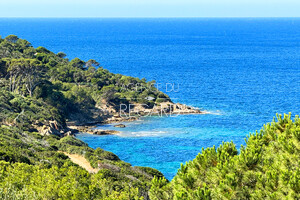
(149,8)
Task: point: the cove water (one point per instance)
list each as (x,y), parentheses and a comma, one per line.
(245,70)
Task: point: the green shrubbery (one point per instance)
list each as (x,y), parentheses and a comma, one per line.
(72,86)
(267,168)
(25,111)
(35,167)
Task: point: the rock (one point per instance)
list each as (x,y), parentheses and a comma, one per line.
(46,131)
(69,133)
(74,131)
(120,126)
(54,125)
(38,123)
(81,128)
(105,132)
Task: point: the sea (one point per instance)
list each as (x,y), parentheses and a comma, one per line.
(241,70)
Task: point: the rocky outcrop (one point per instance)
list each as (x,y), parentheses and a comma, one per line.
(120,126)
(137,110)
(107,114)
(165,108)
(119,118)
(92,130)
(104,132)
(83,129)
(54,128)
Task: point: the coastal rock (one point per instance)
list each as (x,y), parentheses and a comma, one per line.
(68,133)
(120,126)
(120,119)
(105,132)
(83,129)
(47,130)
(164,108)
(112,116)
(54,128)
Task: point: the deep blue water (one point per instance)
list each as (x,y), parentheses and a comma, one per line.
(246,70)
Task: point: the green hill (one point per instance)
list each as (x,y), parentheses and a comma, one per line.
(74,88)
(42,89)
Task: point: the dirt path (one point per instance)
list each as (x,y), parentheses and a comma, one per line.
(82,162)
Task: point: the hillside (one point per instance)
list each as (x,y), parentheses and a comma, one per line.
(40,93)
(80,91)
(34,167)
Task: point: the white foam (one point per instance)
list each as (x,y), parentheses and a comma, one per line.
(143,134)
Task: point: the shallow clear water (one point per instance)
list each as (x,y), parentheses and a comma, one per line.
(246,70)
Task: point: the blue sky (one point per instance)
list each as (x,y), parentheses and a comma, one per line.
(149,8)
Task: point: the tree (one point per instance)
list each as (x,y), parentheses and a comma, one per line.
(77,63)
(92,63)
(109,92)
(42,50)
(14,71)
(61,54)
(27,72)
(33,75)
(23,44)
(3,68)
(12,38)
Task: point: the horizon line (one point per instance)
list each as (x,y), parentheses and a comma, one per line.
(228,17)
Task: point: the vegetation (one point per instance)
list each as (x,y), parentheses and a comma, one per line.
(72,86)
(41,73)
(34,167)
(266,168)
(38,86)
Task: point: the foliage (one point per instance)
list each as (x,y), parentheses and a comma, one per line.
(267,168)
(72,87)
(24,112)
(34,167)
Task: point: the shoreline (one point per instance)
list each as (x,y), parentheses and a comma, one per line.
(80,125)
(91,127)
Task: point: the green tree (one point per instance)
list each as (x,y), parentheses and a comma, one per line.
(27,72)
(12,38)
(77,63)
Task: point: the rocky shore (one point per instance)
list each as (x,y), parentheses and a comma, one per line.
(110,115)
(165,109)
(92,130)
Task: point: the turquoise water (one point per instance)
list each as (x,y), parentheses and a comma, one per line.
(245,70)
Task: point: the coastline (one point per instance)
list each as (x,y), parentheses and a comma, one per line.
(115,118)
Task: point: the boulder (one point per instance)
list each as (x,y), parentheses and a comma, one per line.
(69,133)
(105,132)
(120,126)
(47,130)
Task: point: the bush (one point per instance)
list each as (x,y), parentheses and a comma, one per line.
(101,154)
(267,168)
(69,140)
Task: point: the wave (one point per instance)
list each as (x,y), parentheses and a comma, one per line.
(143,134)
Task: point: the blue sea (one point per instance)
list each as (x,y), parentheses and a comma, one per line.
(242,70)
